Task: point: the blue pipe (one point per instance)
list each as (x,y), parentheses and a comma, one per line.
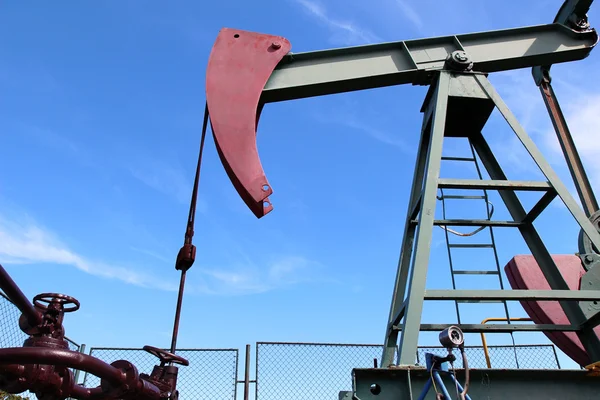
(440,385)
(425,390)
(456,382)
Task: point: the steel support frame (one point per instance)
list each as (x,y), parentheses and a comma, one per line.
(551,272)
(428,168)
(409,291)
(398,305)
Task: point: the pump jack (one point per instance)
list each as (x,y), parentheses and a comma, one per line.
(249,70)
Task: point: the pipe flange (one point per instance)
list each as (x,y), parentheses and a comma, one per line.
(52,382)
(459,60)
(48,342)
(129,383)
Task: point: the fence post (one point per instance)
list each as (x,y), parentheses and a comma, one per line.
(247,381)
(247,374)
(81,350)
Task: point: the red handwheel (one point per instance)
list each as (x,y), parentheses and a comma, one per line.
(166,356)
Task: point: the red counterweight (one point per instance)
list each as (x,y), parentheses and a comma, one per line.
(239,66)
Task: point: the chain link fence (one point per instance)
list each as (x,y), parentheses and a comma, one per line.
(503,357)
(314,370)
(310,370)
(211,375)
(321,370)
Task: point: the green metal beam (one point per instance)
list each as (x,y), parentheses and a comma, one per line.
(538,295)
(341,70)
(418,276)
(397,306)
(475,222)
(493,184)
(498,328)
(540,206)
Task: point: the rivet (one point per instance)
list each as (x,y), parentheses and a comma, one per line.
(276,45)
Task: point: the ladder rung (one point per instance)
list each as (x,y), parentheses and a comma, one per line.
(458,159)
(479,301)
(493,184)
(475,222)
(471,246)
(467,272)
(455,196)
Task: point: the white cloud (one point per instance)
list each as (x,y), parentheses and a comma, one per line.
(280,273)
(581,107)
(377,134)
(166,178)
(153,254)
(29,243)
(410,13)
(343,32)
(347,120)
(583,117)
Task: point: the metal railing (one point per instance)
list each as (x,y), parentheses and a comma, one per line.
(211,375)
(542,356)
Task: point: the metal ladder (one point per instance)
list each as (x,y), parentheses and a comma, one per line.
(489,245)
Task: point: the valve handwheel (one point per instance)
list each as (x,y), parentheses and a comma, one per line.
(165,356)
(42,301)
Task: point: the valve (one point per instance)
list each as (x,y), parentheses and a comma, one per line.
(165,356)
(43,365)
(50,331)
(56,302)
(163,376)
(45,371)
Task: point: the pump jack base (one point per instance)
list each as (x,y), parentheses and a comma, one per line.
(523,272)
(408,383)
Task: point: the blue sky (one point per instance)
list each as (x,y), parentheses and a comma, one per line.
(101,112)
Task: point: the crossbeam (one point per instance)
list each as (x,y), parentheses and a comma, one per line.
(318,73)
(538,295)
